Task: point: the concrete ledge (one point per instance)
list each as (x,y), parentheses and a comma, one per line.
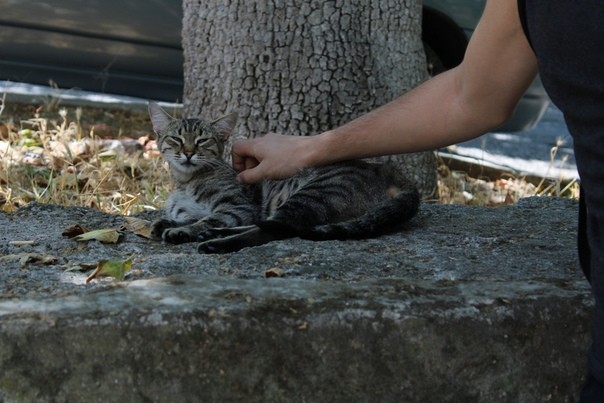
(467,304)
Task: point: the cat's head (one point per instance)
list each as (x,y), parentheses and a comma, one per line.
(190,144)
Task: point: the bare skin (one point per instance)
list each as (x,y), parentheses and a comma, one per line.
(458,105)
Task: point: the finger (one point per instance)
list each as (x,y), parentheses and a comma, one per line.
(250,163)
(239,163)
(240,153)
(249,176)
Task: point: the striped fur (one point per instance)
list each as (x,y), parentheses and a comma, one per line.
(206,194)
(348,200)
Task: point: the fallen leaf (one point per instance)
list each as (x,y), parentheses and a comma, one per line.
(26,132)
(101,235)
(508,198)
(138,226)
(303,326)
(25,258)
(108,155)
(74,230)
(111,268)
(82,267)
(273,272)
(4,131)
(37,258)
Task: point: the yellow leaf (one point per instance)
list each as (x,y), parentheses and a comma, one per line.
(108,155)
(30,142)
(111,268)
(25,132)
(101,235)
(138,226)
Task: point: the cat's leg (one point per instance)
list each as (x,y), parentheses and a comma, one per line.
(252,237)
(209,227)
(303,210)
(180,234)
(160,226)
(222,232)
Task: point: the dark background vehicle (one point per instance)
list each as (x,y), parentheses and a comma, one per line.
(129,47)
(446,27)
(133,47)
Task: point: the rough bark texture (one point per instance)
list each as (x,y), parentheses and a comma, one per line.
(303,66)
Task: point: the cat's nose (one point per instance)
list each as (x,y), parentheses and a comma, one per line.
(188,154)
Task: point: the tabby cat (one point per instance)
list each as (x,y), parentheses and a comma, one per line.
(347,200)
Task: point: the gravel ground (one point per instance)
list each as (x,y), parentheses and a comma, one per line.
(441,243)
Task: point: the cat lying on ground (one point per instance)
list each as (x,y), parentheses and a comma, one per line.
(346,200)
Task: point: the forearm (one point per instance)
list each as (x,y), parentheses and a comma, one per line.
(433,115)
(457,105)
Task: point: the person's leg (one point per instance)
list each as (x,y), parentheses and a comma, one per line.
(593,391)
(591,256)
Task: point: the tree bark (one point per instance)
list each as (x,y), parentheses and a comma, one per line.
(303,66)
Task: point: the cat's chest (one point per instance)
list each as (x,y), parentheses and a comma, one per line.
(184,206)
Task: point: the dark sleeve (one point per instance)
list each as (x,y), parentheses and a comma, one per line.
(523,19)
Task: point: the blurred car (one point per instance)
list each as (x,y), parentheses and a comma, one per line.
(133,47)
(129,47)
(446,28)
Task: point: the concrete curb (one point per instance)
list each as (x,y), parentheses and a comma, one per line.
(480,321)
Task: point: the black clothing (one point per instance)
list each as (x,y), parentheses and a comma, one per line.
(568,40)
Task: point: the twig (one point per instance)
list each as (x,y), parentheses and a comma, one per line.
(2,102)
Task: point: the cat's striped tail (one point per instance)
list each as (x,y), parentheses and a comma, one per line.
(384,218)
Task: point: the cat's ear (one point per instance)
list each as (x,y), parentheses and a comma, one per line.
(159,118)
(226,124)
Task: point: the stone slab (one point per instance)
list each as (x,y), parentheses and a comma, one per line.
(465,304)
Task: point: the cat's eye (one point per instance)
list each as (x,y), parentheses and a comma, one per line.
(204,142)
(174,141)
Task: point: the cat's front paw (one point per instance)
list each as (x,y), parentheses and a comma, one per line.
(219,245)
(213,233)
(179,235)
(160,226)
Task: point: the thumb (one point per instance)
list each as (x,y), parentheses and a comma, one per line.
(252,175)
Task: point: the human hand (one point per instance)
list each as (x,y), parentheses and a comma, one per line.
(273,156)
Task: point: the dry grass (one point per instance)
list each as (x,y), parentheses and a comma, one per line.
(456,187)
(53,156)
(106,159)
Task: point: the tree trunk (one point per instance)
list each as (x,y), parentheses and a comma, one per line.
(303,66)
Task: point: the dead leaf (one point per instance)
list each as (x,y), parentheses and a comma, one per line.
(37,258)
(111,268)
(4,131)
(508,199)
(273,272)
(138,226)
(74,230)
(82,267)
(104,131)
(101,235)
(26,258)
(303,326)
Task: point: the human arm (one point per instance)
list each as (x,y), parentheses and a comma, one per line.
(457,105)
